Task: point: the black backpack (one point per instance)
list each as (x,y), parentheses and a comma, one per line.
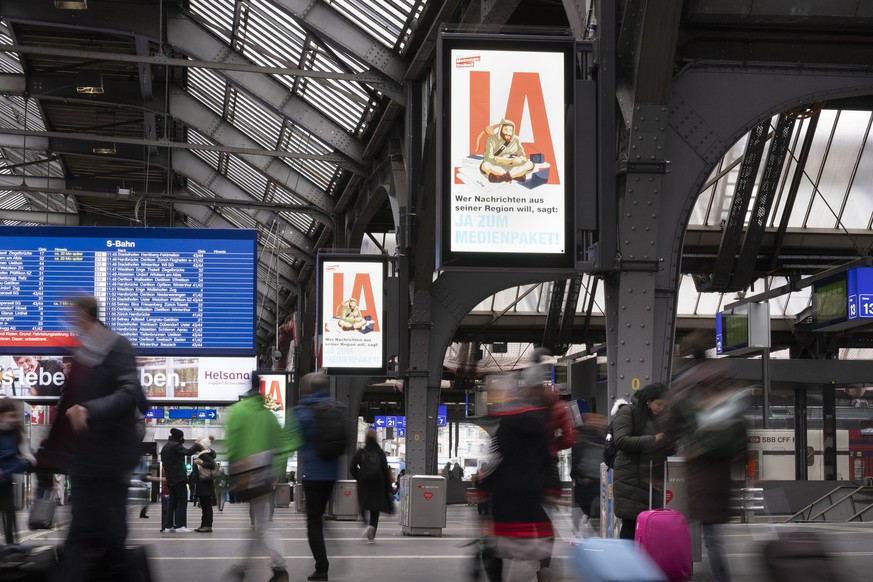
(610,451)
(371,465)
(329,429)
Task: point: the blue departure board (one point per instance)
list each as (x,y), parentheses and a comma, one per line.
(170,291)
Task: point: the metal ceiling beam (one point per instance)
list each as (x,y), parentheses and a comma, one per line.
(161,143)
(193,168)
(736,218)
(191,38)
(208,216)
(30,183)
(109,17)
(324,21)
(50,218)
(162,60)
(194,114)
(744,272)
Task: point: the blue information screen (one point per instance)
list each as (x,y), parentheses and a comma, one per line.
(860,293)
(170,291)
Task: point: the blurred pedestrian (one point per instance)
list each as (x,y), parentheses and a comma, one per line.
(585,458)
(642,451)
(318,473)
(96,436)
(222,484)
(369,468)
(257,452)
(15,458)
(173,455)
(707,419)
(516,480)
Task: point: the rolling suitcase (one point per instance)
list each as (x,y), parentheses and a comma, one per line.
(666,537)
(611,560)
(799,556)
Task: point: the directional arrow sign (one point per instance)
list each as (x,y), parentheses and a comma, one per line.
(379,421)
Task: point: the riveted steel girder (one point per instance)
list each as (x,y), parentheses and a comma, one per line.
(194,40)
(319,18)
(196,115)
(192,167)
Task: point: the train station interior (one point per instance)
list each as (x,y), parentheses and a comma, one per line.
(715,176)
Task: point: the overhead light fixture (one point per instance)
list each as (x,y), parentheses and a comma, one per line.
(71,4)
(104,150)
(90,81)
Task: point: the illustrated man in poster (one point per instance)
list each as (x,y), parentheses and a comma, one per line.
(351,316)
(504,159)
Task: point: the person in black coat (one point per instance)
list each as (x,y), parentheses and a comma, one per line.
(95,440)
(642,450)
(173,458)
(370,469)
(205,487)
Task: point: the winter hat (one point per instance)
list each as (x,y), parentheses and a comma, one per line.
(176,433)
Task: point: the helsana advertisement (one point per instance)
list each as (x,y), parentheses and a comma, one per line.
(505,167)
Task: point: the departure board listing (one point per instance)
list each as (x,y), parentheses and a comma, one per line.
(169,291)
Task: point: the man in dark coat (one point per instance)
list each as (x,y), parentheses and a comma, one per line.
(95,437)
(173,457)
(370,469)
(640,458)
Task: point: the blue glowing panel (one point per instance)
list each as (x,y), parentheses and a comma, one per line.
(170,291)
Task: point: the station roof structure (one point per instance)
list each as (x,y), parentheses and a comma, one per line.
(274,114)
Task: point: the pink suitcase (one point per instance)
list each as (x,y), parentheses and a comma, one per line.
(665,536)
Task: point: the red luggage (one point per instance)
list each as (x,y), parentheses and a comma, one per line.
(666,537)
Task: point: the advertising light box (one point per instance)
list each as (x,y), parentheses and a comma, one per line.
(163,379)
(351,293)
(170,291)
(274,388)
(506,165)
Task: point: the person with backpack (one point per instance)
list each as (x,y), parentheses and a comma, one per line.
(641,455)
(586,455)
(323,422)
(257,452)
(370,469)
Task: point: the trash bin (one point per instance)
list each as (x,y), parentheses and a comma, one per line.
(422,505)
(299,498)
(18,492)
(283,495)
(344,501)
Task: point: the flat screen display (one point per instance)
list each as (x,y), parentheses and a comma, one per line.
(829,301)
(732,330)
(170,291)
(506,167)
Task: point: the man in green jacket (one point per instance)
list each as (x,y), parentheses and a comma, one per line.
(257,452)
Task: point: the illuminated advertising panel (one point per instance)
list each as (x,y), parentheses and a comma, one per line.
(163,379)
(351,291)
(274,388)
(506,167)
